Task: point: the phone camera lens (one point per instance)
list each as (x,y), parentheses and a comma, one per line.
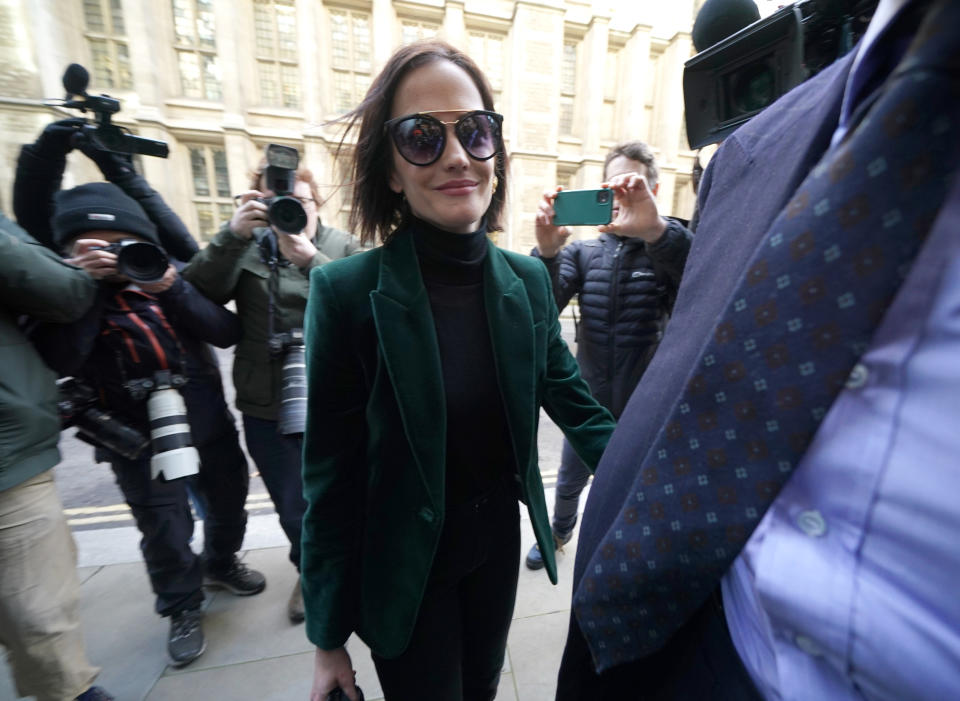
(603,196)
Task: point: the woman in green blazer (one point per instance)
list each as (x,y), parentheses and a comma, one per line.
(428,360)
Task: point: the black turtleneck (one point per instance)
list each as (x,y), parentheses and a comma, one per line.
(479,451)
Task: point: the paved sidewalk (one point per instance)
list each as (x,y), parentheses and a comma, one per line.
(253,652)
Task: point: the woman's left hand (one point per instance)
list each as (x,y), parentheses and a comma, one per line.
(638,216)
(296,248)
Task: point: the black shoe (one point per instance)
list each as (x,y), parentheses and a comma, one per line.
(95,693)
(236,578)
(534,559)
(185,642)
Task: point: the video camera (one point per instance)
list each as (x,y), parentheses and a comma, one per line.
(727,84)
(105,134)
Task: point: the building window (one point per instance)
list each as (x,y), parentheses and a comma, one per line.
(196,48)
(487,48)
(275,30)
(211,189)
(350,47)
(568,87)
(411,30)
(109,53)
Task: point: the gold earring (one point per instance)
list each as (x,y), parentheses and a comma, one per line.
(496,183)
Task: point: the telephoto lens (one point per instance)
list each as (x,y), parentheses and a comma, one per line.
(173,453)
(293,392)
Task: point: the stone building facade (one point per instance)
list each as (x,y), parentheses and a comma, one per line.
(219,79)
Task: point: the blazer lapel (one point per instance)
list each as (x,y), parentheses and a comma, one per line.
(510,319)
(408,343)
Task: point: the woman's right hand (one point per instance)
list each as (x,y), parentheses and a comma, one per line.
(250,215)
(550,238)
(332,669)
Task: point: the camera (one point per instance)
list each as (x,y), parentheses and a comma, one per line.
(173,453)
(105,134)
(141,261)
(292,417)
(284,212)
(727,84)
(77,406)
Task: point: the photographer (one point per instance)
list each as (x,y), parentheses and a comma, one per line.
(266,272)
(39,589)
(135,333)
(223,479)
(625,280)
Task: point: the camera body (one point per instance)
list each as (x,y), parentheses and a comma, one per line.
(77,406)
(292,417)
(174,455)
(141,261)
(284,211)
(105,134)
(280,343)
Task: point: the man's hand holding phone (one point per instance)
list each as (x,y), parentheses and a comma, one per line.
(550,237)
(635,211)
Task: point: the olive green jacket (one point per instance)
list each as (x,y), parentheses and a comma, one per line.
(230,268)
(36,282)
(374,450)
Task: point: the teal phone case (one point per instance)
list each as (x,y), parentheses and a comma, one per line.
(583,207)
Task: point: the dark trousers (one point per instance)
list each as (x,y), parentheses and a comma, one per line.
(459,641)
(162,510)
(571,480)
(278,458)
(224,478)
(699,662)
(163,516)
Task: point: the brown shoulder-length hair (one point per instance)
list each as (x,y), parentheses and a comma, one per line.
(376,210)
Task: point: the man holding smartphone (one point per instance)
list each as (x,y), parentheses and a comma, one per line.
(625,280)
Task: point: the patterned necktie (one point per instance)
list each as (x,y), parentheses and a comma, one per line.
(793,329)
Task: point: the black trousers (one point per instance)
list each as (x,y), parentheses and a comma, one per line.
(699,662)
(224,478)
(279,460)
(162,510)
(459,641)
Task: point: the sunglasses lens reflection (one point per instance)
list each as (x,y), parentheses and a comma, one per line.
(419,139)
(478,134)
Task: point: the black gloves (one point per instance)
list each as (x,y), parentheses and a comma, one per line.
(58,138)
(112,165)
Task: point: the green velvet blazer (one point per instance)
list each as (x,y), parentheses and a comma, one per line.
(373,461)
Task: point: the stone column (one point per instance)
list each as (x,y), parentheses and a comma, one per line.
(536,47)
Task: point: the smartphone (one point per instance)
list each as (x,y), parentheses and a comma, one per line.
(583,207)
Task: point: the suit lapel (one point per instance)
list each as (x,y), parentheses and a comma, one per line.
(408,343)
(510,320)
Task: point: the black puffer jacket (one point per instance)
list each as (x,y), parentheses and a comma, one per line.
(626,289)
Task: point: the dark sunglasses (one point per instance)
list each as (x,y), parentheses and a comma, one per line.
(421,138)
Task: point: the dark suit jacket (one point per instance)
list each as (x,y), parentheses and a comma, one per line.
(750,179)
(374,463)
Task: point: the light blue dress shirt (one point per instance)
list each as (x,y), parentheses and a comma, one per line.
(850,586)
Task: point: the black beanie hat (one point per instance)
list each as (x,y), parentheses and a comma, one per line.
(99,206)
